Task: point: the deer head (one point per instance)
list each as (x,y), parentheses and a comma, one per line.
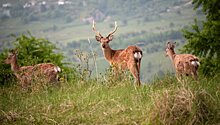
(170,48)
(12,57)
(104,40)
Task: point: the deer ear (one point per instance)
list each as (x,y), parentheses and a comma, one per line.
(16,51)
(173,44)
(168,44)
(98,38)
(11,52)
(110,38)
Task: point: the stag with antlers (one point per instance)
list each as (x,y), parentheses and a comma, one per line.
(129,58)
(26,73)
(184,64)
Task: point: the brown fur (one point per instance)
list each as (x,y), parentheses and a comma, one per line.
(26,73)
(183,62)
(121,59)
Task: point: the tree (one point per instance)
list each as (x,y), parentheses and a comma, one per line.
(203,38)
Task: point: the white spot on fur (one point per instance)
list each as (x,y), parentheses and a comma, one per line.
(195,63)
(137,55)
(198,63)
(57,69)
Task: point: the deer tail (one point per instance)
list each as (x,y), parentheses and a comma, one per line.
(57,69)
(137,56)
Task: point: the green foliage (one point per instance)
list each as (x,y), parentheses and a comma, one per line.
(36,50)
(203,39)
(31,51)
(210,8)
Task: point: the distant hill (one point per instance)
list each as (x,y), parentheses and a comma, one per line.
(87,10)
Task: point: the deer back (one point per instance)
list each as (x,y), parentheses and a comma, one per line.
(183,63)
(47,69)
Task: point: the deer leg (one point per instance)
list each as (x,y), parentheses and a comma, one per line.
(55,79)
(194,75)
(179,77)
(139,68)
(135,72)
(115,72)
(25,82)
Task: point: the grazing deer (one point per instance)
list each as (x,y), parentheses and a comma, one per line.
(26,73)
(184,64)
(129,58)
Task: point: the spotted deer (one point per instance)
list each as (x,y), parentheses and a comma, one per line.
(184,64)
(26,73)
(129,58)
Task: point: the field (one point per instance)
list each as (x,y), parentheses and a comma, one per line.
(99,98)
(163,101)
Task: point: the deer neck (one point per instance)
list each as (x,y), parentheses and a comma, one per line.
(108,53)
(14,66)
(171,55)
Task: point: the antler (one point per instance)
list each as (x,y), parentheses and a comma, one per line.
(111,33)
(97,32)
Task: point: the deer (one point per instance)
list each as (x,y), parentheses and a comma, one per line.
(184,64)
(122,59)
(27,73)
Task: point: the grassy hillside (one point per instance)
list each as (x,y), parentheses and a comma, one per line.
(102,99)
(163,101)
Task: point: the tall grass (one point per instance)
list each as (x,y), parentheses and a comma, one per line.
(109,101)
(190,102)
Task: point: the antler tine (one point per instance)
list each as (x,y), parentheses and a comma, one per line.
(93,28)
(116,27)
